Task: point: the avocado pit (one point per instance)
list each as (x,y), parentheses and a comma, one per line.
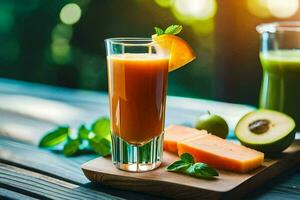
(259,126)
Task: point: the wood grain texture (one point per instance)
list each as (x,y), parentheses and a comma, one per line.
(45,187)
(94,104)
(11,195)
(57,166)
(227,185)
(41,160)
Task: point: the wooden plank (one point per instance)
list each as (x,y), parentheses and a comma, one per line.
(23,128)
(9,194)
(285,186)
(227,185)
(41,186)
(55,165)
(42,160)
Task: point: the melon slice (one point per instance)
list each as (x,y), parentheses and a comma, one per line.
(175,133)
(221,153)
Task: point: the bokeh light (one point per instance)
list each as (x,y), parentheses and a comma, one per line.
(283,8)
(259,8)
(62,32)
(273,8)
(164,3)
(196,9)
(70,13)
(6,17)
(60,46)
(204,27)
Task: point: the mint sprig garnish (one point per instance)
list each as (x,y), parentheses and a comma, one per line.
(158,31)
(171,30)
(187,165)
(96,138)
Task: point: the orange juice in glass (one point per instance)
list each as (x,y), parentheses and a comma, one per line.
(137,76)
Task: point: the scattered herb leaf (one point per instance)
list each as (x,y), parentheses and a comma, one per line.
(178,165)
(55,137)
(187,158)
(97,138)
(101,128)
(101,147)
(71,147)
(83,132)
(187,166)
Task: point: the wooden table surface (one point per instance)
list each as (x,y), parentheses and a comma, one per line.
(28,110)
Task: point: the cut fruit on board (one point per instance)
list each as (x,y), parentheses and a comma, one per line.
(175,133)
(212,150)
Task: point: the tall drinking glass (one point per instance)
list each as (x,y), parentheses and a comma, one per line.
(137,77)
(280,58)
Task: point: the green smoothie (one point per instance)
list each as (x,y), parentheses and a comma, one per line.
(280,88)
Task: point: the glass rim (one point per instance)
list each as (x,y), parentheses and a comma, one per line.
(273,27)
(130,41)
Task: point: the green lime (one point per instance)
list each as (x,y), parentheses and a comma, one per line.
(214,124)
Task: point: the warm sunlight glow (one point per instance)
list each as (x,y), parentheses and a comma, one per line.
(273,8)
(258,8)
(283,8)
(70,13)
(196,9)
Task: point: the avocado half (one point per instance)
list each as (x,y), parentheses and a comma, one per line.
(265,130)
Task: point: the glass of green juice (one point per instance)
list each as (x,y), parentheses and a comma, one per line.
(280,59)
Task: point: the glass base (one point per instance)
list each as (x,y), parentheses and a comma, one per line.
(133,158)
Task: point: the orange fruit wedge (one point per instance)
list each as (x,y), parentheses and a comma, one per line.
(180,51)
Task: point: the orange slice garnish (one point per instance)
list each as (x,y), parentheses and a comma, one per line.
(180,51)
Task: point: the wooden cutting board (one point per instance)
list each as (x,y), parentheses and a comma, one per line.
(178,186)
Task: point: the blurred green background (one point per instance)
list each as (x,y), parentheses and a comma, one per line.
(60,42)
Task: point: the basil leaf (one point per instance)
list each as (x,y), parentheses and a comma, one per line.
(158,31)
(71,147)
(187,165)
(83,132)
(201,170)
(55,137)
(101,128)
(178,165)
(204,169)
(188,158)
(101,147)
(173,29)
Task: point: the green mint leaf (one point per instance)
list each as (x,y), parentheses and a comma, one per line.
(158,31)
(178,165)
(201,170)
(188,158)
(55,137)
(205,170)
(173,29)
(187,165)
(71,147)
(101,147)
(101,128)
(83,132)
